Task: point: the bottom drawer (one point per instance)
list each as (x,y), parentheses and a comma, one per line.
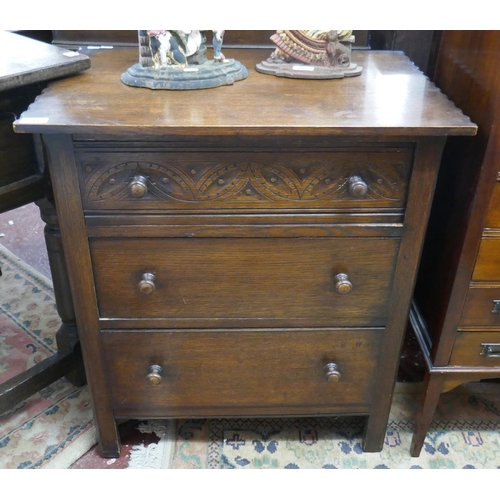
(244,372)
(471,349)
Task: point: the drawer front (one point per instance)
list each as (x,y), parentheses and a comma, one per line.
(476,349)
(493,215)
(482,307)
(241,372)
(487,267)
(295,281)
(234,180)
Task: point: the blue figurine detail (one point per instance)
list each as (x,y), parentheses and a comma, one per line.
(217,43)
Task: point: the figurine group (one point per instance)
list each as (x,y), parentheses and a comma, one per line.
(311,54)
(175,59)
(175,48)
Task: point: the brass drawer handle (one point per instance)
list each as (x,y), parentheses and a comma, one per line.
(357,187)
(331,372)
(147,284)
(138,186)
(490,350)
(342,284)
(154,377)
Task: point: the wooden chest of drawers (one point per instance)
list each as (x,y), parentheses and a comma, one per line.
(456,312)
(248,250)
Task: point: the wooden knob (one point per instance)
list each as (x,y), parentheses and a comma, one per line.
(154,377)
(357,187)
(342,284)
(138,186)
(147,283)
(331,372)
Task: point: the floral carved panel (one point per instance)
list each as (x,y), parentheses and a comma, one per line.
(242,179)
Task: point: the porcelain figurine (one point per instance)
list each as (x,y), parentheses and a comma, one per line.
(311,54)
(177,60)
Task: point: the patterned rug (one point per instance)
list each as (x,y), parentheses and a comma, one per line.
(464,435)
(54,427)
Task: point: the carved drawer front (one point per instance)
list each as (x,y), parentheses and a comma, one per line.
(493,216)
(234,180)
(247,372)
(482,307)
(476,349)
(296,281)
(487,267)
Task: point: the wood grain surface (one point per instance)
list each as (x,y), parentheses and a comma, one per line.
(254,280)
(251,372)
(391,96)
(242,305)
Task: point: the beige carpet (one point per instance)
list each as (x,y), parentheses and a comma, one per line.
(464,435)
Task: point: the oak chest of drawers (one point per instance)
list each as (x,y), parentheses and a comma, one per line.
(248,250)
(456,311)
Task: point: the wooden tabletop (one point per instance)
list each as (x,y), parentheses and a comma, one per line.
(24,61)
(390,97)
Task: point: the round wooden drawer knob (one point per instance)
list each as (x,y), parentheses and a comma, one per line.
(154,375)
(147,283)
(357,187)
(138,187)
(331,372)
(342,284)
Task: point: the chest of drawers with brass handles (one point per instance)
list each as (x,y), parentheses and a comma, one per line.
(456,309)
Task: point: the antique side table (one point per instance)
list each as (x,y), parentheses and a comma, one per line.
(25,67)
(248,250)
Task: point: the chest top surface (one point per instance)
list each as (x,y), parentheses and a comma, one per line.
(390,97)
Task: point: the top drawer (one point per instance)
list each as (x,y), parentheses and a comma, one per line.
(346,179)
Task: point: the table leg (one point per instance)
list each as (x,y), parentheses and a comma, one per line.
(67,336)
(433,387)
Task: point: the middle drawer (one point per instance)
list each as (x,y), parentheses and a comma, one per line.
(223,281)
(482,307)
